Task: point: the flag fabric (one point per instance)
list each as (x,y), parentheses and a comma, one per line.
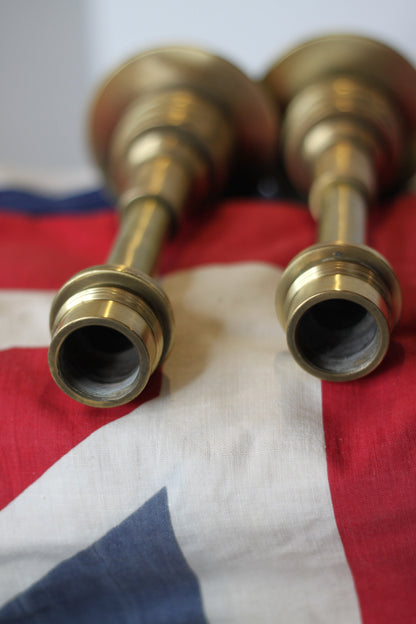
(237,488)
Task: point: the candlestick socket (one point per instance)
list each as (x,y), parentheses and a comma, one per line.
(338,304)
(111,328)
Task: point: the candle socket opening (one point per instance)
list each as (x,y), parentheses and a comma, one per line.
(338,336)
(338,304)
(111,327)
(99,361)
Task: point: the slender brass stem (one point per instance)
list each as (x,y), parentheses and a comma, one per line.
(340,191)
(343,215)
(143,230)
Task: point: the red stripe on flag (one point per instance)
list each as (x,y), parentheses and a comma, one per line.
(370,431)
(39,423)
(42,252)
(241,230)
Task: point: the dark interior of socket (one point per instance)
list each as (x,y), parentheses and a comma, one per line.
(98,361)
(338,336)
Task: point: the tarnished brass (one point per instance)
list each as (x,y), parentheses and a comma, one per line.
(349,122)
(165,128)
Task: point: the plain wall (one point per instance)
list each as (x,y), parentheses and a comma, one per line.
(54,52)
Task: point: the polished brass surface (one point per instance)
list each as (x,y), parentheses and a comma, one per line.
(164,128)
(348,135)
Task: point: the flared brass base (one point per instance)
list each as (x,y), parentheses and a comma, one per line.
(343,86)
(193,71)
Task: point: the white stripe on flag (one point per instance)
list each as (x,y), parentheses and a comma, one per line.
(236,437)
(24,316)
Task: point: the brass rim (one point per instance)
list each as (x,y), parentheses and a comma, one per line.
(350,278)
(122,277)
(100,354)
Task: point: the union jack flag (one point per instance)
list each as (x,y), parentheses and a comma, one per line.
(237,488)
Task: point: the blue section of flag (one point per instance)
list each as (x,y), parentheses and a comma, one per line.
(135,574)
(32,203)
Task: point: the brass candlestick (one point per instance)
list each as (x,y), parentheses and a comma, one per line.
(349,120)
(165,128)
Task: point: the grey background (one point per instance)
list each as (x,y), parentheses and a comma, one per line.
(54,52)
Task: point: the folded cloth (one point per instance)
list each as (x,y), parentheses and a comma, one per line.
(237,488)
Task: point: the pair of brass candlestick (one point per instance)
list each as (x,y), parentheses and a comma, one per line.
(166,129)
